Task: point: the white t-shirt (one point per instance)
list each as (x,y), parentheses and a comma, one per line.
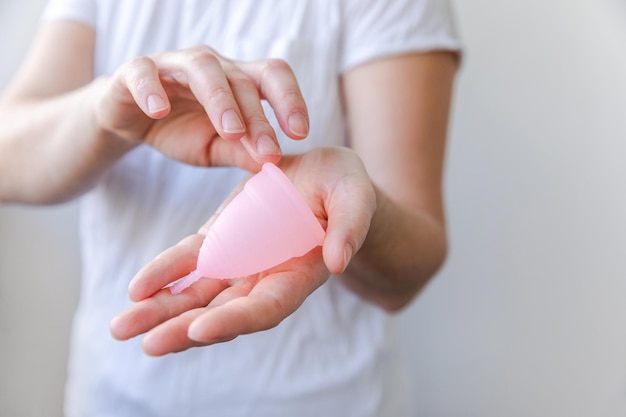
(332,357)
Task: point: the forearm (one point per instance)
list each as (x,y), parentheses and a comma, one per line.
(402,251)
(398,113)
(52,149)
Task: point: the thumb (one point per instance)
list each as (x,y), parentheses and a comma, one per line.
(350,209)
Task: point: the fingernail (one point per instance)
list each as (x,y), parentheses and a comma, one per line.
(347,256)
(266,146)
(131,291)
(196,333)
(113,324)
(298,124)
(156,103)
(231,123)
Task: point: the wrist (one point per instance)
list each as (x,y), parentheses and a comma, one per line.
(403,250)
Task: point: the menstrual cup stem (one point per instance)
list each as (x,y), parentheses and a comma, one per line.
(185,282)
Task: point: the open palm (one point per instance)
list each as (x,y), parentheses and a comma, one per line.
(335,185)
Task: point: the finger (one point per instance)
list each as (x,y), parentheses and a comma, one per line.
(242,315)
(163,306)
(238,288)
(171,336)
(201,70)
(229,98)
(274,297)
(350,208)
(278,84)
(167,267)
(260,138)
(140,77)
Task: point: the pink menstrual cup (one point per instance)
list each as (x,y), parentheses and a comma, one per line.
(266,224)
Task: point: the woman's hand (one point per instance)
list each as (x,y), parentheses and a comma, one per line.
(340,193)
(192,105)
(180,102)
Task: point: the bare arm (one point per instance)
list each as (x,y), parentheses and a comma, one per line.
(398,114)
(50,145)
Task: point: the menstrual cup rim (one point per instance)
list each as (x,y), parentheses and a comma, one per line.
(294,196)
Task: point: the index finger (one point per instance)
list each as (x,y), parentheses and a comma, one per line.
(276,296)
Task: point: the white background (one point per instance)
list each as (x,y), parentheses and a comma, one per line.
(528,317)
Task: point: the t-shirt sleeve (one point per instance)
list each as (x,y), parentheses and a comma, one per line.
(83,11)
(374,28)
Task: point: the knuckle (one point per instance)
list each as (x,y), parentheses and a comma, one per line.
(219,93)
(239,80)
(141,83)
(139,62)
(278,76)
(139,73)
(276,64)
(255,120)
(291,96)
(201,55)
(277,311)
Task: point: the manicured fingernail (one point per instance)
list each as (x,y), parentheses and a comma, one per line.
(298,124)
(156,103)
(231,123)
(266,146)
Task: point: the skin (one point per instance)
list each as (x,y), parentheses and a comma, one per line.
(380,201)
